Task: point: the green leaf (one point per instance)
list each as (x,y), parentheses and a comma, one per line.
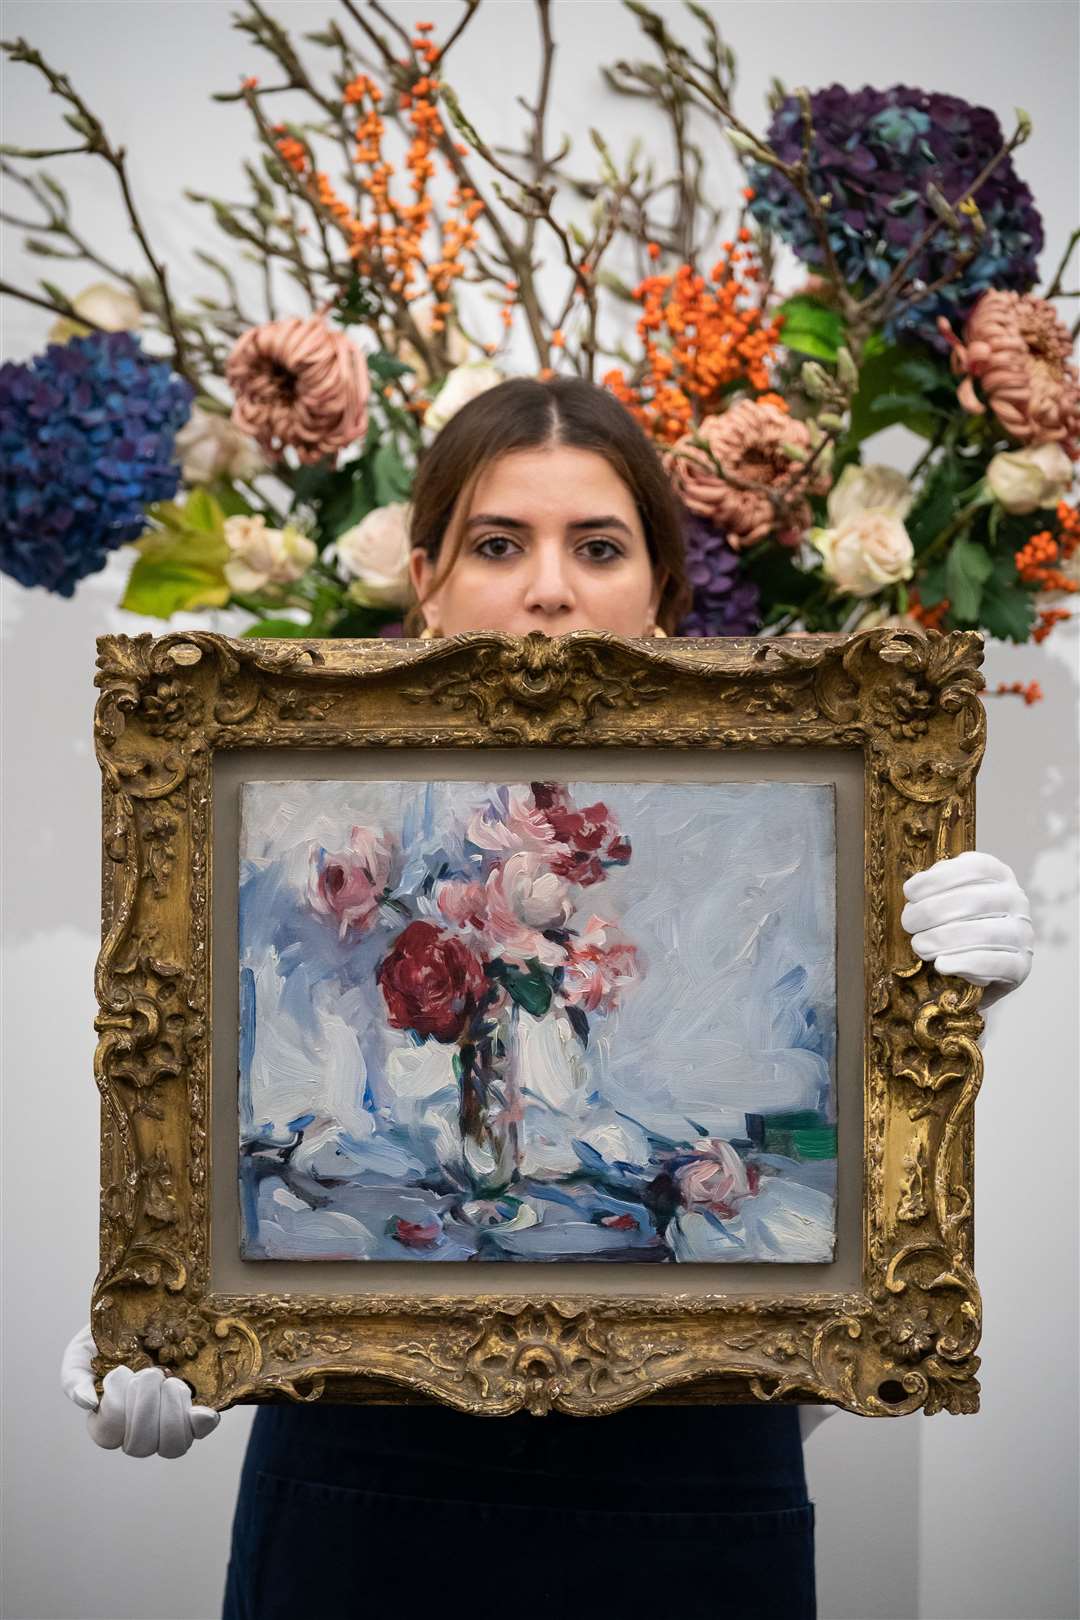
(277,627)
(931,585)
(385,365)
(898,405)
(936,504)
(811,328)
(230,500)
(177,571)
(393,479)
(532,990)
(362,623)
(887,394)
(967,568)
(1007,609)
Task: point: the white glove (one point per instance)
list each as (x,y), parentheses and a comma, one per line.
(145,1412)
(970,916)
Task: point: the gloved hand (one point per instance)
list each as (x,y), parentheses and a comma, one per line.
(145,1412)
(970,917)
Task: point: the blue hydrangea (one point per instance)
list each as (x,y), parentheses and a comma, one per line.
(874,152)
(87,431)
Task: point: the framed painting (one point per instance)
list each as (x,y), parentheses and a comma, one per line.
(528,1022)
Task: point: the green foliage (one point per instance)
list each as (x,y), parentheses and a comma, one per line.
(936,503)
(899,384)
(393,479)
(277,627)
(531,990)
(181,564)
(1007,609)
(967,568)
(385,367)
(362,622)
(811,328)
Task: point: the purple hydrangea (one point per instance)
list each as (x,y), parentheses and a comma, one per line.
(725,602)
(86,441)
(874,153)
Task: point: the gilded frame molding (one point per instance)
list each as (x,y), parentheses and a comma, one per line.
(904,1341)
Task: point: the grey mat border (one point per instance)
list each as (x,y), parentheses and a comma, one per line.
(232,1275)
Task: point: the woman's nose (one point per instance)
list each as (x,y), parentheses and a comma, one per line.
(550,588)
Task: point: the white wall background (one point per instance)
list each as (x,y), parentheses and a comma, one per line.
(943,1519)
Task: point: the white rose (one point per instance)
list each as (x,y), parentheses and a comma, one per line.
(211,448)
(1022,480)
(111,308)
(462,384)
(869,489)
(867,551)
(374,556)
(262,556)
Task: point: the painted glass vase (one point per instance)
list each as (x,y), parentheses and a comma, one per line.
(490,1105)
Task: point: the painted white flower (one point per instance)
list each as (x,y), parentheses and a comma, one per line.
(866,552)
(463,384)
(1023,480)
(210,448)
(262,556)
(373,556)
(875,488)
(114,309)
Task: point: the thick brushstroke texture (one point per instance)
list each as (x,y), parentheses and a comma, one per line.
(350,1141)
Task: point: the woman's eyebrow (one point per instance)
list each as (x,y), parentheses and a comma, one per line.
(608,522)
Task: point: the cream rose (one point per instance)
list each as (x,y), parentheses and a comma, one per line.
(211,448)
(866,552)
(462,384)
(374,557)
(874,488)
(262,556)
(113,309)
(1023,480)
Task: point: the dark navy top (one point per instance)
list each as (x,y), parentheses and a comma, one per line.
(423,1511)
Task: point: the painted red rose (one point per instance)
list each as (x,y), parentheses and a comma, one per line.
(590,836)
(431,982)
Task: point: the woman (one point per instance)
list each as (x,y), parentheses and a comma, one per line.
(540,506)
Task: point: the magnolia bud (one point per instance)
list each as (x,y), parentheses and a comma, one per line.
(846,369)
(815,380)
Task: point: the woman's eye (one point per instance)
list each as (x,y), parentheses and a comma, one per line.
(600,550)
(499,542)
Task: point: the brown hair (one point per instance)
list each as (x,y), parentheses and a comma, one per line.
(524,413)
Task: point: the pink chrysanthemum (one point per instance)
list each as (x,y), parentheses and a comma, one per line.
(299,383)
(750,442)
(1019,352)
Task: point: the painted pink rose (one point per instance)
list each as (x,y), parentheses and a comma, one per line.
(463,904)
(349,885)
(518,826)
(599,966)
(524,897)
(718,1180)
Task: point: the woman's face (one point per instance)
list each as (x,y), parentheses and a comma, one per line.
(553,542)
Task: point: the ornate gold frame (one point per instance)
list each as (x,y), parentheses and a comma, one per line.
(906,1340)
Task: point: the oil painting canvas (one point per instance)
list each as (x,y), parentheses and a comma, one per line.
(537,1021)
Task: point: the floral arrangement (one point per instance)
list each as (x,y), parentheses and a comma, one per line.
(265,459)
(477,945)
(492,933)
